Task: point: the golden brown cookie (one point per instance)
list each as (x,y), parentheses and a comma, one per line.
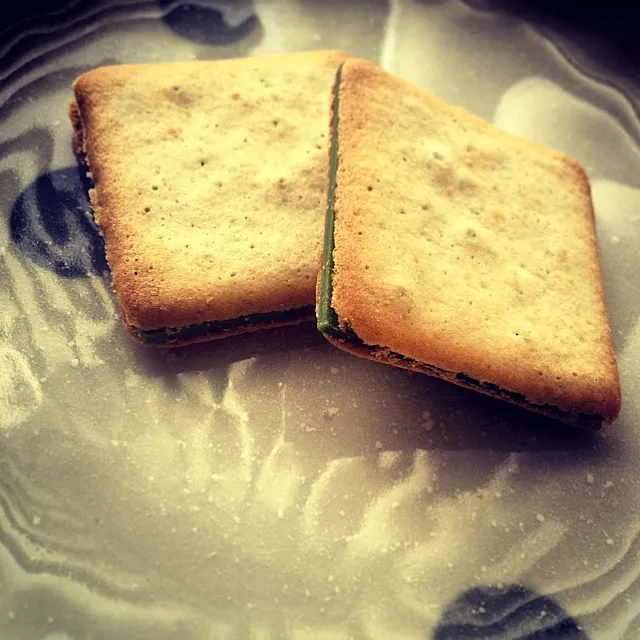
(458,250)
(210,189)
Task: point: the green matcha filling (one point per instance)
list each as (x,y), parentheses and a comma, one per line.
(157,336)
(329,323)
(326,316)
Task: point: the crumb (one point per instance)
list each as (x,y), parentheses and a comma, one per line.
(330,413)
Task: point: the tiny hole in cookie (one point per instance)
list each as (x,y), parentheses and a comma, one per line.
(359,233)
(275,123)
(147,209)
(135,273)
(318,146)
(369,188)
(155,187)
(176,88)
(516,334)
(366,267)
(203,162)
(233,275)
(404,159)
(252,246)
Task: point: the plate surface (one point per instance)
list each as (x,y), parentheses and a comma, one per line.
(269,486)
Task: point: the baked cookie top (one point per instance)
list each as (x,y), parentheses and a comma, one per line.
(210,182)
(463,247)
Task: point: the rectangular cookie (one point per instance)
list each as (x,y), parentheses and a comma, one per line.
(455,249)
(210,189)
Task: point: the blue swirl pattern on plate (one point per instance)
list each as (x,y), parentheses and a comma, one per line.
(506,612)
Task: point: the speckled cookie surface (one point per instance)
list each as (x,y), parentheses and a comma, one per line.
(466,248)
(210,183)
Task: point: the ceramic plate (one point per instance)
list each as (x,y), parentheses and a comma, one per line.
(269,486)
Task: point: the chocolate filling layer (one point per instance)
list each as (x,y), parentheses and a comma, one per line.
(329,323)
